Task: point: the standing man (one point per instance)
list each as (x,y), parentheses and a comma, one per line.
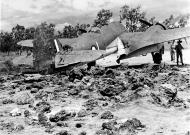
(178,49)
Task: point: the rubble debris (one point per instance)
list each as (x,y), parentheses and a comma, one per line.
(61,116)
(9,126)
(42,119)
(90,104)
(23,98)
(82,133)
(15,112)
(109,125)
(107,115)
(97,71)
(78,125)
(19,127)
(27,113)
(43,107)
(63,132)
(131,125)
(82,113)
(62,124)
(76,73)
(7,101)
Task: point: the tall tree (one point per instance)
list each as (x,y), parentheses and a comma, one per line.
(180,21)
(18,33)
(7,42)
(29,33)
(102,18)
(131,17)
(44,48)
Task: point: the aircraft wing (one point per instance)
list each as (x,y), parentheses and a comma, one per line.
(164,36)
(27,43)
(63,59)
(146,42)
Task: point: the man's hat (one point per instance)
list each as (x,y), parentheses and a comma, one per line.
(179,41)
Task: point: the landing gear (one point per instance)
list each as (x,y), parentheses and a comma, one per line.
(157,57)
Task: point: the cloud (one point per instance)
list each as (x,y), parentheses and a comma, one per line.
(33,12)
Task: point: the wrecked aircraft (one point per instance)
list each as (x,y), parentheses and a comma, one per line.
(112,38)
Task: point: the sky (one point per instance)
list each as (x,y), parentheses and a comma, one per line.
(32,12)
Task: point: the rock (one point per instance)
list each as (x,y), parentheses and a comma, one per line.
(15,112)
(49,130)
(64,132)
(61,116)
(23,98)
(78,125)
(42,119)
(131,125)
(34,90)
(74,91)
(105,132)
(107,115)
(97,71)
(91,104)
(82,113)
(109,125)
(75,73)
(19,127)
(10,126)
(38,85)
(27,113)
(62,124)
(43,107)
(7,101)
(110,73)
(175,68)
(111,90)
(33,78)
(82,133)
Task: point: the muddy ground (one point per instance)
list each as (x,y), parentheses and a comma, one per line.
(126,100)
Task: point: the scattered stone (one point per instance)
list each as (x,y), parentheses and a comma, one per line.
(34,90)
(78,125)
(19,127)
(33,78)
(27,113)
(105,132)
(110,73)
(107,115)
(82,113)
(38,85)
(61,116)
(109,125)
(91,104)
(97,71)
(74,91)
(43,107)
(15,112)
(64,132)
(42,119)
(75,73)
(9,126)
(23,98)
(83,133)
(131,125)
(62,124)
(7,101)
(49,130)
